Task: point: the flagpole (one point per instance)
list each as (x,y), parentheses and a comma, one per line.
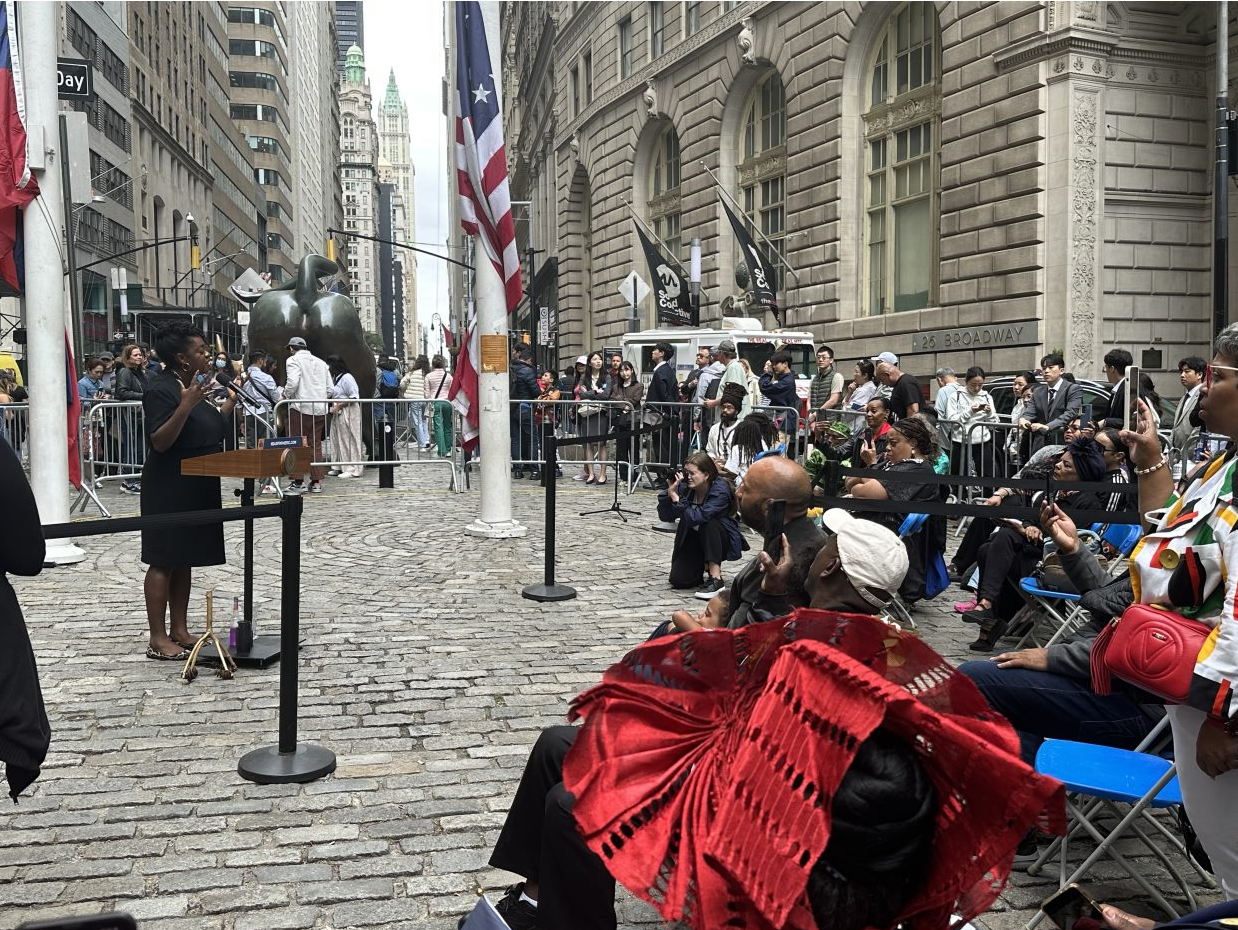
(744,214)
(494,418)
(45,282)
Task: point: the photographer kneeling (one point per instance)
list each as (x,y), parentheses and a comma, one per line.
(704,504)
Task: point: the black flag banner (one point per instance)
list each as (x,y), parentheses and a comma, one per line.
(764,288)
(670,290)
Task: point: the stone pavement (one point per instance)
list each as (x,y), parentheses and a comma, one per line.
(422,668)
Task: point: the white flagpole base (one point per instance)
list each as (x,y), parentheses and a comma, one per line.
(507,529)
(63,553)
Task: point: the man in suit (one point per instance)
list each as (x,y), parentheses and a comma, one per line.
(1054,403)
(1116,363)
(1185,439)
(663,389)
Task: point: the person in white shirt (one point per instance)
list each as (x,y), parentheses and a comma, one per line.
(721,434)
(345,420)
(862,389)
(1185,437)
(413,387)
(971,443)
(307,383)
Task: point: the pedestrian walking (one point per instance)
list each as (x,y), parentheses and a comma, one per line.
(438,389)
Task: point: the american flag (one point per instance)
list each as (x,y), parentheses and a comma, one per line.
(481,175)
(17,187)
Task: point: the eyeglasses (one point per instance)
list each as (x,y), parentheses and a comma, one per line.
(1210,368)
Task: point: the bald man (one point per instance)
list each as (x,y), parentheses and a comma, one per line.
(774,478)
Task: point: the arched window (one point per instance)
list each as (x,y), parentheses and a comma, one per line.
(902,163)
(663,204)
(762,172)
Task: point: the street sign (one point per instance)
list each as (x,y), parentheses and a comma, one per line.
(74,79)
(634,289)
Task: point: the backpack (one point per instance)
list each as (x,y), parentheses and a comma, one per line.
(389,385)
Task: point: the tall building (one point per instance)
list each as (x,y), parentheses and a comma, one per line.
(394,148)
(359,177)
(178,77)
(315,125)
(962,183)
(96,32)
(349,29)
(259,70)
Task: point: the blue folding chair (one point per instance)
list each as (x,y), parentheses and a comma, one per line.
(1108,777)
(1061,607)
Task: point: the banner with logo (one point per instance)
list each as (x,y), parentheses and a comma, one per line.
(760,271)
(670,289)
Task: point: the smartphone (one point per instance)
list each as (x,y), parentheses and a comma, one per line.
(113,921)
(1073,907)
(1085,417)
(1130,415)
(775,516)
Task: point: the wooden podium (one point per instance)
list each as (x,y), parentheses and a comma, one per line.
(250,464)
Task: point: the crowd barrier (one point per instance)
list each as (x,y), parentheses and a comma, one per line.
(382,431)
(15,428)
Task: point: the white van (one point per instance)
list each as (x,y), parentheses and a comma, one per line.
(752,343)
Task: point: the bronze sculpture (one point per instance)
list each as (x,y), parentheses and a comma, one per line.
(328,322)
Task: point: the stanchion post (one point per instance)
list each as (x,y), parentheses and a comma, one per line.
(547,591)
(288,762)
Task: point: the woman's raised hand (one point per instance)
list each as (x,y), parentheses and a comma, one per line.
(1142,444)
(198,389)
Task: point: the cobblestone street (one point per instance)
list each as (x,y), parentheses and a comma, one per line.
(422,669)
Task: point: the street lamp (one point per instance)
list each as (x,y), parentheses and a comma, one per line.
(436,322)
(694,280)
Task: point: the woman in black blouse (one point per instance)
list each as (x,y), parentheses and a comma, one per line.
(180,423)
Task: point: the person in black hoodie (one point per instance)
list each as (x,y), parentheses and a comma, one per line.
(24,731)
(524,390)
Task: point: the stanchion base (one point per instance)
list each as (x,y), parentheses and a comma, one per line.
(545,593)
(269,766)
(262,653)
(62,553)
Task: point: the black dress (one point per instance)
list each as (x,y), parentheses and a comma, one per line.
(166,490)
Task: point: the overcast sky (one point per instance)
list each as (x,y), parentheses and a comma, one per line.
(408,36)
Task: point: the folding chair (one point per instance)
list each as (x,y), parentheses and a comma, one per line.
(1108,777)
(896,611)
(1062,608)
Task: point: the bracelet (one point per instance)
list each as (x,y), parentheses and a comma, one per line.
(1151,468)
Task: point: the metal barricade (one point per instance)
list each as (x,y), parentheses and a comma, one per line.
(15,428)
(116,450)
(974,456)
(688,431)
(528,417)
(349,435)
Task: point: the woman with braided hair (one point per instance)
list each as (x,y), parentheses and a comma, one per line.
(755,434)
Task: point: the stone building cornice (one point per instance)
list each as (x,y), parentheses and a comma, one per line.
(635,83)
(1044,46)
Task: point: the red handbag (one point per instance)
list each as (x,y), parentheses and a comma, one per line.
(1150,647)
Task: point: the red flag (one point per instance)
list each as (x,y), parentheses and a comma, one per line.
(464,388)
(449,338)
(75,411)
(17,186)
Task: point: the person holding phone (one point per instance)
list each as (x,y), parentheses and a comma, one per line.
(181,423)
(970,441)
(707,534)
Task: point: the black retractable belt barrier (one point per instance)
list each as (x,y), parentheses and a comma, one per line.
(285,762)
(547,589)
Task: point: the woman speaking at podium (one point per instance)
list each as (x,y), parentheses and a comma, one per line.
(181,423)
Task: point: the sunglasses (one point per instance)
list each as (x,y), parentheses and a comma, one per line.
(1210,368)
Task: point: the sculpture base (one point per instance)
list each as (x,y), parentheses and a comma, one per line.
(548,593)
(269,766)
(509,529)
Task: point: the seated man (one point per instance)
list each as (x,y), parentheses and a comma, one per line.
(566,885)
(772,478)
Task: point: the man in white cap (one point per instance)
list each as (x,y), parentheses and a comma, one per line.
(307,376)
(906,397)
